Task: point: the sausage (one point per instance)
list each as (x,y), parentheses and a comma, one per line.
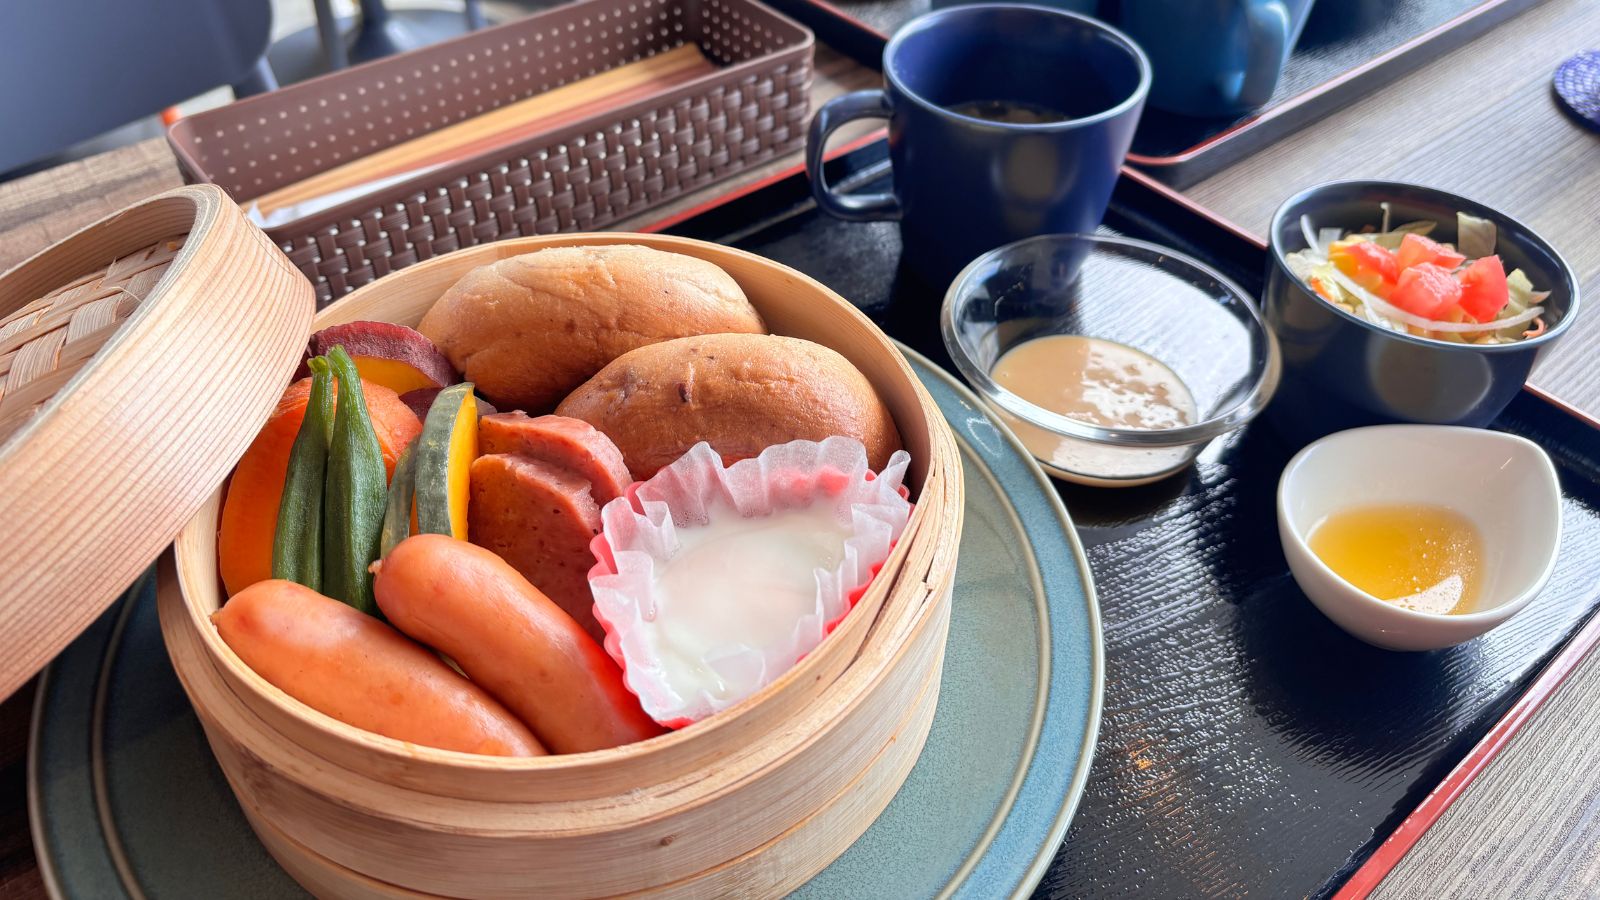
(360,671)
(566,443)
(540,519)
(512,640)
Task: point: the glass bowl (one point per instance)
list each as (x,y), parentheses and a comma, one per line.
(1199,324)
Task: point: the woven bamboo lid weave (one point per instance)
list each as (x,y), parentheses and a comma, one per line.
(138,358)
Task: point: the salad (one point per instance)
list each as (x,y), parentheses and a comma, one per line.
(1401,279)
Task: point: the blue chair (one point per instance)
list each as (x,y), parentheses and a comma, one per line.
(74,69)
(374,32)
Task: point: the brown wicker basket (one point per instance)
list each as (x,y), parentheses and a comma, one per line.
(581,176)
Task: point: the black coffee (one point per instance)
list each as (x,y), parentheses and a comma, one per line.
(1011,112)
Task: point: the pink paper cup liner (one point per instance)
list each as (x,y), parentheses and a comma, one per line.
(641,534)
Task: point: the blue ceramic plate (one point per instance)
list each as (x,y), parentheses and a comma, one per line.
(126,800)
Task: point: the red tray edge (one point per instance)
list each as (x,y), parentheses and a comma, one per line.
(1402,839)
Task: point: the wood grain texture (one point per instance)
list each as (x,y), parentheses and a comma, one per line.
(764,871)
(1494,135)
(41,209)
(1529,826)
(122,454)
(790,304)
(1480,121)
(45,342)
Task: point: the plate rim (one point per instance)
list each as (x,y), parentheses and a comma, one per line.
(1058,829)
(1043,856)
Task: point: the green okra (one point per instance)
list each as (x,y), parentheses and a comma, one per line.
(355,495)
(297,541)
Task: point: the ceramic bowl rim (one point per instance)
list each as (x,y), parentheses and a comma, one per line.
(1507,227)
(1491,616)
(1232,418)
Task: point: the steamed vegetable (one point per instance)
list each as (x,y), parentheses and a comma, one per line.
(1402,279)
(356,491)
(297,542)
(399,507)
(445,451)
(248,529)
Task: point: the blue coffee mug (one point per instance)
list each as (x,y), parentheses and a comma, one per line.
(1214,57)
(1070,90)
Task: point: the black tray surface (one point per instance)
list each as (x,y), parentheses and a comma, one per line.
(1339,36)
(1248,745)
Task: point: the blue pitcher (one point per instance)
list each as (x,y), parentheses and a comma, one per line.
(1214,57)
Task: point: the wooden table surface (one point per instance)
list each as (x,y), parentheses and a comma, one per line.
(1480,121)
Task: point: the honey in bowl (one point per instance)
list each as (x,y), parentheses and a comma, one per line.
(1418,557)
(1099,382)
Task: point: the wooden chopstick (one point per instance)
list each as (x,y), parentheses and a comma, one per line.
(572,114)
(507,124)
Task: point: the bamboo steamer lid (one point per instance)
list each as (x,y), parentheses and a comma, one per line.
(138,359)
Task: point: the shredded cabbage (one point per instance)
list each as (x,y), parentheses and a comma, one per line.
(1476,238)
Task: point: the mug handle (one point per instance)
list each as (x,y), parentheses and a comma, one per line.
(873,104)
(1269,26)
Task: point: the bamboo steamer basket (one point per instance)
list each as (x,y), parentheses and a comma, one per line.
(125,399)
(751,802)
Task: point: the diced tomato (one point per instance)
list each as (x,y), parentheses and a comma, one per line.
(1426,290)
(1416,249)
(1367,264)
(1483,288)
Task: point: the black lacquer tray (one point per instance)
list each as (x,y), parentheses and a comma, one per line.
(1247,746)
(1349,47)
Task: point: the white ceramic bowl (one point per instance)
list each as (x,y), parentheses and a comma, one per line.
(1504,484)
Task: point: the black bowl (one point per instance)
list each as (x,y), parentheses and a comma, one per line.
(1341,371)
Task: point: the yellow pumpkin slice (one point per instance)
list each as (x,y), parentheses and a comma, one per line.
(445,451)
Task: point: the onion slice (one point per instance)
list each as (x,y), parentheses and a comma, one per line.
(1385,308)
(1311,236)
